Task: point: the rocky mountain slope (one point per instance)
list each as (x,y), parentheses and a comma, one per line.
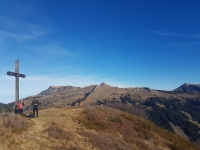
(68,95)
(58,89)
(86,128)
(167,109)
(189,87)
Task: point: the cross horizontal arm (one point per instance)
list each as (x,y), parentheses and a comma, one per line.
(15,74)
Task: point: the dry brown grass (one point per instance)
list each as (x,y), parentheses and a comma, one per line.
(9,120)
(138,132)
(86,128)
(107,141)
(64,137)
(54,131)
(11,126)
(65,148)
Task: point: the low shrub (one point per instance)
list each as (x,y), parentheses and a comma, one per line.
(65,148)
(131,130)
(12,122)
(115,119)
(106,141)
(58,133)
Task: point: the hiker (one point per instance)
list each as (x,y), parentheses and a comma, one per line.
(20,107)
(16,109)
(22,100)
(35,104)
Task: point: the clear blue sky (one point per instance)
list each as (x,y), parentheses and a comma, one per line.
(125,43)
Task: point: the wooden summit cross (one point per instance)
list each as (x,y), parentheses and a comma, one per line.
(17,75)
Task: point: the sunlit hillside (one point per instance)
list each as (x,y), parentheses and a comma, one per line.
(86,128)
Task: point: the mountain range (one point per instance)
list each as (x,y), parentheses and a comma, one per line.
(95,94)
(176,110)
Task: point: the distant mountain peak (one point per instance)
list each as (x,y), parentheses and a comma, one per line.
(60,86)
(56,89)
(104,84)
(189,87)
(186,84)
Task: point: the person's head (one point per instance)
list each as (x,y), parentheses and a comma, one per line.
(22,100)
(35,98)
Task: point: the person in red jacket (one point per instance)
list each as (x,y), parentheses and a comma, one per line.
(20,107)
(23,105)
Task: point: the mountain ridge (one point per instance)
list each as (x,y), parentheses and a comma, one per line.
(56,89)
(69,95)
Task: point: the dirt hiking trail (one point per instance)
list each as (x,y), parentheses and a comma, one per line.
(37,139)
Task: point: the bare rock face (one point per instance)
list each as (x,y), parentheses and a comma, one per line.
(189,87)
(56,89)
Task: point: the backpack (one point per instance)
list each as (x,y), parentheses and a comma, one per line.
(31,115)
(20,106)
(16,110)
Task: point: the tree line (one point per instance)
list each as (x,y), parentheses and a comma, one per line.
(172,111)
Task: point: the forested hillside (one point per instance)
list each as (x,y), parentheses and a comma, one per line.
(164,111)
(6,107)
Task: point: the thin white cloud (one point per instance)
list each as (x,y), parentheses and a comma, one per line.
(55,50)
(176,59)
(4,35)
(55,71)
(59,70)
(8,23)
(165,33)
(36,30)
(18,31)
(52,51)
(185,44)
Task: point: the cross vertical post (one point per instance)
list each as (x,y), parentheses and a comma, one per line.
(16,82)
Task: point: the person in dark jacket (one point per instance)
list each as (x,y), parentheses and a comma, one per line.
(16,109)
(35,104)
